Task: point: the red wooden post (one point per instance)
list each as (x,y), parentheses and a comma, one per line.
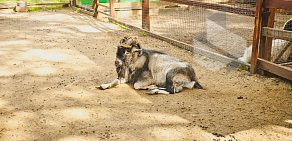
(145,15)
(95,7)
(112,8)
(264,23)
(268,45)
(256,36)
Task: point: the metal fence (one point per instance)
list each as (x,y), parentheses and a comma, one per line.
(216,25)
(220,26)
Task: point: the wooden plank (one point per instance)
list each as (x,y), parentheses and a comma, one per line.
(103,5)
(58,3)
(92,10)
(256,36)
(216,6)
(112,8)
(282,51)
(279,4)
(40,4)
(7,7)
(145,15)
(279,70)
(277,33)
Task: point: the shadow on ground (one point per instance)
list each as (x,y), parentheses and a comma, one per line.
(51,62)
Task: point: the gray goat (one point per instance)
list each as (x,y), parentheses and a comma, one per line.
(151,70)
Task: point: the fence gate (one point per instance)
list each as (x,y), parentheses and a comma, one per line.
(265,33)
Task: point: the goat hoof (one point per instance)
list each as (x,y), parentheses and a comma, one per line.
(152,92)
(102,86)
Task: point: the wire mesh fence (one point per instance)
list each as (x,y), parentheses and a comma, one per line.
(282,48)
(220,26)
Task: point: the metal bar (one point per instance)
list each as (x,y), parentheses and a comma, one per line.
(145,15)
(215,6)
(277,33)
(279,70)
(286,64)
(279,4)
(256,36)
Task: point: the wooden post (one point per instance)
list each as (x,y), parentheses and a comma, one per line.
(74,3)
(264,23)
(112,8)
(265,47)
(256,36)
(95,7)
(269,40)
(145,15)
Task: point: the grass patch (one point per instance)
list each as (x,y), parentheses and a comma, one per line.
(243,68)
(77,10)
(34,9)
(142,33)
(120,25)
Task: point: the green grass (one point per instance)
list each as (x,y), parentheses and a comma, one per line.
(77,10)
(243,68)
(34,9)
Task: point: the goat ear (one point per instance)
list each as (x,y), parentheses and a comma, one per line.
(139,46)
(126,36)
(140,52)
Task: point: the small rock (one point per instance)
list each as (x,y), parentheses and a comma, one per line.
(240,97)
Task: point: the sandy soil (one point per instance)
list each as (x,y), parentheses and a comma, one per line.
(51,62)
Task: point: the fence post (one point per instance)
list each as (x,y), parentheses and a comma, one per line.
(268,46)
(112,8)
(256,36)
(95,7)
(145,15)
(74,3)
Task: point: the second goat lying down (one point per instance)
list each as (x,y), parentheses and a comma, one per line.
(151,70)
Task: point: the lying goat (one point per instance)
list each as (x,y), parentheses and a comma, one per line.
(277,45)
(151,70)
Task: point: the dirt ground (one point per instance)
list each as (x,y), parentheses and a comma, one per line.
(51,62)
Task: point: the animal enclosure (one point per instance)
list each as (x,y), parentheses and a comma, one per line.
(218,27)
(51,61)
